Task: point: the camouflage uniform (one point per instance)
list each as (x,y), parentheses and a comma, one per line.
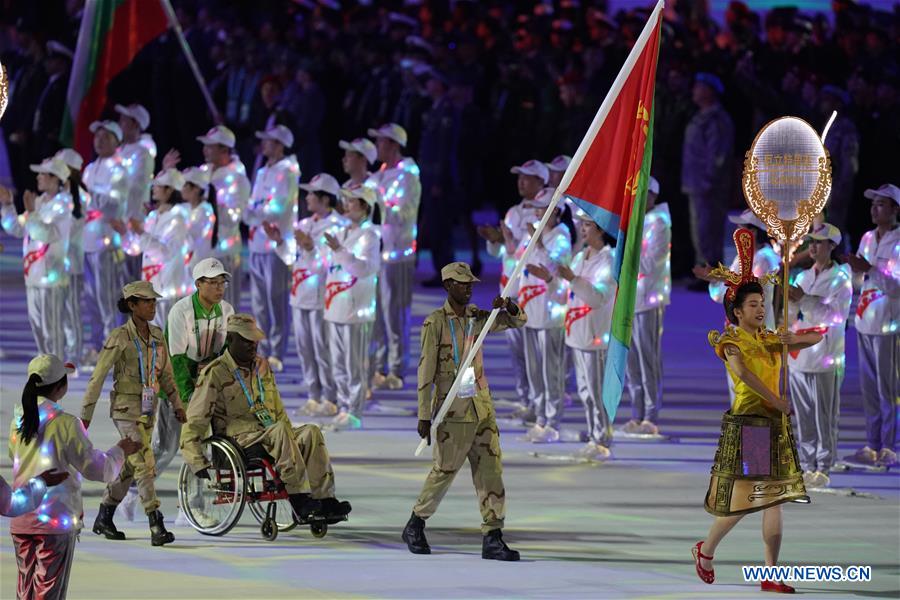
(299,453)
(469,429)
(121,354)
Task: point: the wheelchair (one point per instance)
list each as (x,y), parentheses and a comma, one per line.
(240,477)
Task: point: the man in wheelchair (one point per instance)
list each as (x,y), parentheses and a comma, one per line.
(242,403)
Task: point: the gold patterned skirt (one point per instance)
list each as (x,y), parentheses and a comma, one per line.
(755,467)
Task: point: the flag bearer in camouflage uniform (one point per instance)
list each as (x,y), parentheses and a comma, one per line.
(243,403)
(469,429)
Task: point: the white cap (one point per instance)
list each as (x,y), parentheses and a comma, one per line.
(747,218)
(136,112)
(71,157)
(560,163)
(110,126)
(542,198)
(279,133)
(54,166)
(54,47)
(209,268)
(363,192)
(49,368)
(653,186)
(362,145)
(198,176)
(171,178)
(533,167)
(825,231)
(218,135)
(391,131)
(323,182)
(888,190)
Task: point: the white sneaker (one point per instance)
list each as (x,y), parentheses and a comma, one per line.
(822,480)
(632,426)
(535,431)
(809,478)
(392,382)
(275,364)
(594,451)
(887,458)
(379,381)
(128,504)
(547,435)
(648,428)
(311,408)
(326,409)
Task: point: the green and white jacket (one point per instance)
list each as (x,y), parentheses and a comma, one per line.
(195,337)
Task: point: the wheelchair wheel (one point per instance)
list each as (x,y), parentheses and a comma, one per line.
(318,529)
(214,506)
(284,516)
(269,530)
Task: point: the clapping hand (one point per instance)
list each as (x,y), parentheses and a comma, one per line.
(857,263)
(332,242)
(491,234)
(565,272)
(28,199)
(6,196)
(795,293)
(272,232)
(304,241)
(136,225)
(540,271)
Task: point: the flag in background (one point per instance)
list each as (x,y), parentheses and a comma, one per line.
(608,178)
(112,33)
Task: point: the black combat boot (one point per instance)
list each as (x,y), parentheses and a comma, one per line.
(103,524)
(158,533)
(414,535)
(494,548)
(305,507)
(333,508)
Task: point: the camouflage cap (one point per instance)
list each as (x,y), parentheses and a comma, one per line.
(458,271)
(245,326)
(139,289)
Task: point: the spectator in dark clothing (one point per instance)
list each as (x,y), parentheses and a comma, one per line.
(438,155)
(51,103)
(304,104)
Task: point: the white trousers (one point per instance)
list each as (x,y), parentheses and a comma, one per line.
(73,326)
(232,264)
(589,367)
(349,345)
(311,341)
(102,290)
(516,340)
(270,281)
(45,314)
(391,329)
(544,367)
(644,367)
(816,398)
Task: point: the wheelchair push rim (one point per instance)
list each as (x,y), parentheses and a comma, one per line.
(214,506)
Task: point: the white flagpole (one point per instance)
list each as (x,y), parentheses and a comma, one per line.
(192,62)
(583,148)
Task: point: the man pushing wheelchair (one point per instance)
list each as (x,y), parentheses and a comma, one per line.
(243,404)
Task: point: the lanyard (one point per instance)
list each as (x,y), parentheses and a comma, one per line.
(262,391)
(469,326)
(200,354)
(145,379)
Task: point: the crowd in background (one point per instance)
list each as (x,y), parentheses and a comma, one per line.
(481,86)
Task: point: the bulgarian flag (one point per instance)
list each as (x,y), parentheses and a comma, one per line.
(112,33)
(608,178)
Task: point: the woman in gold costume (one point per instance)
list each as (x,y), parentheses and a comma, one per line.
(756,462)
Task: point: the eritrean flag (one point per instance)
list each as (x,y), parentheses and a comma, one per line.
(607,179)
(112,33)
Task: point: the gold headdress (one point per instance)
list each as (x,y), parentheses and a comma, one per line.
(745,243)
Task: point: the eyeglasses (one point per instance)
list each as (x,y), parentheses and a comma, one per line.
(217,283)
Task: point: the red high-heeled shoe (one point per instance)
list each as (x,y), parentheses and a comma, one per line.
(775,586)
(707,575)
